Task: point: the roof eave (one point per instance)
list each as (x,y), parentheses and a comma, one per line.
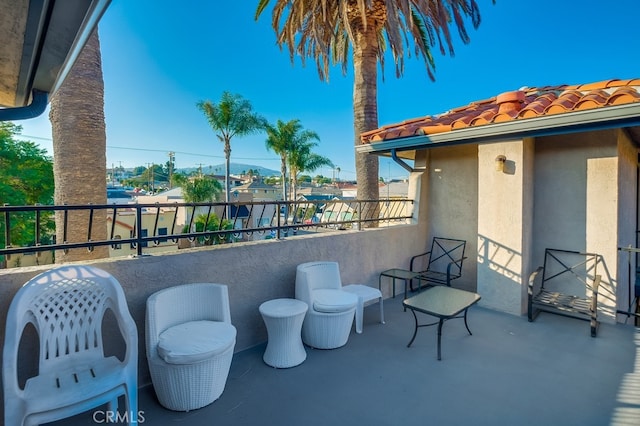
(572,122)
(50,35)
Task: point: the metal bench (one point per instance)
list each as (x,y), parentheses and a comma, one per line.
(567,284)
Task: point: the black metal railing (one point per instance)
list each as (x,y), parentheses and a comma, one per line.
(208,223)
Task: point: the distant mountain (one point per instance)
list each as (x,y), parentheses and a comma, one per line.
(234,169)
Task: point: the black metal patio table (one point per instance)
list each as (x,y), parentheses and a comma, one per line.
(442,302)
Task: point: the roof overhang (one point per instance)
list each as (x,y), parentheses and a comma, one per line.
(612,117)
(40,41)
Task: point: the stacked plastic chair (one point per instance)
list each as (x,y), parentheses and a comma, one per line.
(66,306)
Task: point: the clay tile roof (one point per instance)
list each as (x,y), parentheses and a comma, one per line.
(522,104)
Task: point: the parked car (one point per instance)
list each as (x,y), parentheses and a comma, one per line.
(312,220)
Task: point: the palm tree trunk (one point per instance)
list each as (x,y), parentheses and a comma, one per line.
(227,183)
(79,152)
(227,166)
(283,172)
(365,109)
(294,186)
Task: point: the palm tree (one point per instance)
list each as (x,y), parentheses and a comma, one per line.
(233,116)
(198,189)
(324,30)
(79,151)
(302,159)
(283,138)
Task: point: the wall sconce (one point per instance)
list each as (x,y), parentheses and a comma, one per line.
(500,160)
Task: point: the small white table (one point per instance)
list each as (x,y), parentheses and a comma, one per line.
(283,319)
(365,294)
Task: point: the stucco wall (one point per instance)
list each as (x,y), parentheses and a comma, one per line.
(504,224)
(573,192)
(255,272)
(452,206)
(627,219)
(576,202)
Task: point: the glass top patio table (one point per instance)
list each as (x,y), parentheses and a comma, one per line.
(443,303)
(396,273)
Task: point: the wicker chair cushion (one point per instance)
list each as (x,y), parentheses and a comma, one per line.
(195,341)
(332,300)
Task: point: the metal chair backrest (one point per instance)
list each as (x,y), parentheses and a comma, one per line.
(444,251)
(571,271)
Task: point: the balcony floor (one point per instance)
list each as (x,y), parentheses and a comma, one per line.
(510,372)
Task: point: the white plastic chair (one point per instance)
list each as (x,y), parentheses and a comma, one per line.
(190,343)
(329,318)
(66,306)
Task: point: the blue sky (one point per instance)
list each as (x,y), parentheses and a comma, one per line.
(160,59)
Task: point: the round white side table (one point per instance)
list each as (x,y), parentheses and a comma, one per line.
(283,319)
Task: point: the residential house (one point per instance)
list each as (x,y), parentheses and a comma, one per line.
(547,167)
(260,190)
(348,189)
(394,189)
(123,226)
(29,259)
(307,189)
(173,195)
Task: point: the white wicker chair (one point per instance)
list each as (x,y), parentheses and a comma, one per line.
(329,318)
(66,305)
(190,343)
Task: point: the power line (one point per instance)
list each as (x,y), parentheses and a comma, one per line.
(194,154)
(348,172)
(165,151)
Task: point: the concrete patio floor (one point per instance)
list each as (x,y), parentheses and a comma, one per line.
(510,372)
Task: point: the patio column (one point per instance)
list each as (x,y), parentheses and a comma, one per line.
(505,221)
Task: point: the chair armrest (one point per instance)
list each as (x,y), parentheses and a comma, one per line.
(594,295)
(532,280)
(129,333)
(593,308)
(416,257)
(454,262)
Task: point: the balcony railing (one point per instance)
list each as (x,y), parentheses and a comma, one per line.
(152,225)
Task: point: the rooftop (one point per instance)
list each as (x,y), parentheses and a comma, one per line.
(515,106)
(509,372)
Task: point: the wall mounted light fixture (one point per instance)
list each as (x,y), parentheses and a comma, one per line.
(500,160)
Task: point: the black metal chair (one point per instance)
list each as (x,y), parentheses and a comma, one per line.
(440,265)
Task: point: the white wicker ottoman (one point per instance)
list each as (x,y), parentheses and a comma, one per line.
(283,319)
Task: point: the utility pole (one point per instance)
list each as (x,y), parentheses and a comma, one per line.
(172,158)
(149,176)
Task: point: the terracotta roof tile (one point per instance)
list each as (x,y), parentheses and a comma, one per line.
(624,95)
(517,105)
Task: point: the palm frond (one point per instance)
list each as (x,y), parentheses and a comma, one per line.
(324,30)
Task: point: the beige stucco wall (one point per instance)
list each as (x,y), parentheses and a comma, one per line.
(627,219)
(254,271)
(573,192)
(504,224)
(576,202)
(451,191)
